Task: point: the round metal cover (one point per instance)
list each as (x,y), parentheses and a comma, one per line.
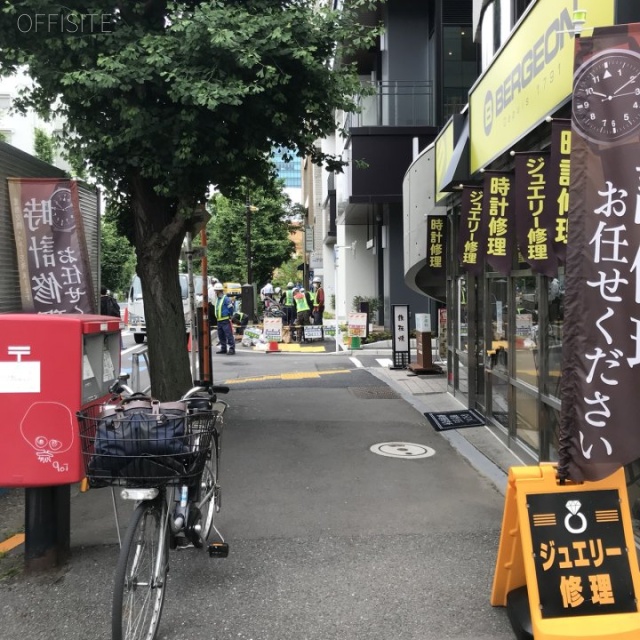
(406,450)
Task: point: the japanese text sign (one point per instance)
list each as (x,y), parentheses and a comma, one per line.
(471,245)
(559,180)
(51,248)
(436,243)
(572,546)
(601,345)
(499,219)
(534,216)
(582,566)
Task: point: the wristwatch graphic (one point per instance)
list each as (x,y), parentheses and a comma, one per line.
(606,97)
(62,214)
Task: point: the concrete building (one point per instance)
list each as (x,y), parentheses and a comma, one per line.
(420,71)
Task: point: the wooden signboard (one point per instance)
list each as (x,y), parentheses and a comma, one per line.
(570,550)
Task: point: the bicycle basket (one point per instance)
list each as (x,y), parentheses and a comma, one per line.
(144,443)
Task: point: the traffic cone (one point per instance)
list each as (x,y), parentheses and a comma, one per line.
(189,343)
(273,347)
(125,317)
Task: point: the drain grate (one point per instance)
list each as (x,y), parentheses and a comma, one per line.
(374,393)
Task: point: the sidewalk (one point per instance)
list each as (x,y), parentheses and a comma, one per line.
(425,393)
(428,393)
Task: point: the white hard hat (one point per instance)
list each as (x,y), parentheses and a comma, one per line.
(218,286)
(277,289)
(289,284)
(317,279)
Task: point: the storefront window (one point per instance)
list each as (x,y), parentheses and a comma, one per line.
(526,330)
(463,320)
(553,349)
(497,347)
(500,400)
(527,430)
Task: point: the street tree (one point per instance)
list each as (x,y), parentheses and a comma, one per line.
(117,257)
(163,99)
(268,241)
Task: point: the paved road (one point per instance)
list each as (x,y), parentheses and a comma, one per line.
(328,540)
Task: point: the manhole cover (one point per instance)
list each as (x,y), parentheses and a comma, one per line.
(378,393)
(406,450)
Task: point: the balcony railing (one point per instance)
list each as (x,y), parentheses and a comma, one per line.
(398,103)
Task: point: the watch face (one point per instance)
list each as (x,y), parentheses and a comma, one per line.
(606,96)
(62,215)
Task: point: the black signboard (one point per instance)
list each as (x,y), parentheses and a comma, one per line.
(580,554)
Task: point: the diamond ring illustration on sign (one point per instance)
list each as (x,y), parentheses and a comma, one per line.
(48,428)
(574,512)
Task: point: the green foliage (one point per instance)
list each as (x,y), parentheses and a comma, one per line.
(270,235)
(44,145)
(288,271)
(188,93)
(161,100)
(117,258)
(374,303)
(377,336)
(3,136)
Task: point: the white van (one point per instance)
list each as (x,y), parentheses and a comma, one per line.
(136,321)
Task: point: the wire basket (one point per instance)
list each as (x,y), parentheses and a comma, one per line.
(133,447)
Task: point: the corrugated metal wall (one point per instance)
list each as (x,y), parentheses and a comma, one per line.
(17,164)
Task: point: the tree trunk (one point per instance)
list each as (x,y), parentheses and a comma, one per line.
(159,234)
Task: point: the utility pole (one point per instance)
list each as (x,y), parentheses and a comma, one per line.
(249,210)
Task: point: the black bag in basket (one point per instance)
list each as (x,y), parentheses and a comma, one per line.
(140,429)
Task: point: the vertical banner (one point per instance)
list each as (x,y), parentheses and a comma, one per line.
(470,237)
(498,219)
(436,243)
(559,176)
(51,246)
(401,339)
(534,215)
(601,346)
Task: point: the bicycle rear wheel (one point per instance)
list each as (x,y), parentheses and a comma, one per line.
(139,591)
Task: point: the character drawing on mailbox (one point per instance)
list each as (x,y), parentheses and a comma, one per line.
(48,428)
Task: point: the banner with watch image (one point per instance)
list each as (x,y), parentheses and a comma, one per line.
(51,247)
(601,341)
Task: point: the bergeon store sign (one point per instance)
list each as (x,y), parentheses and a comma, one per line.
(529,78)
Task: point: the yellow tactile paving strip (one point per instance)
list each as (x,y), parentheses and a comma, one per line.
(299,375)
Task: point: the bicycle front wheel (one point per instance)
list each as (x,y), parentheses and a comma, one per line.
(141,576)
(209,493)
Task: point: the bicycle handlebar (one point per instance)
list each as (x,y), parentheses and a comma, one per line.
(120,388)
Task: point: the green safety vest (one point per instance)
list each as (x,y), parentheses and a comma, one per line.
(301,302)
(288,297)
(312,295)
(219,309)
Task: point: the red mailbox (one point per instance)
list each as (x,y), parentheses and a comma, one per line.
(50,367)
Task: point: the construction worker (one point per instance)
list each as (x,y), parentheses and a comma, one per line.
(289,305)
(224,311)
(318,301)
(240,321)
(303,309)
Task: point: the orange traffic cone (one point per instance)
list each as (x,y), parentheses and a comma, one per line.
(189,343)
(273,347)
(125,317)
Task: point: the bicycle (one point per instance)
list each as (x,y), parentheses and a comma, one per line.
(166,456)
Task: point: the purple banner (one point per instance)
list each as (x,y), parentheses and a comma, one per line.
(471,245)
(534,216)
(51,247)
(601,344)
(499,219)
